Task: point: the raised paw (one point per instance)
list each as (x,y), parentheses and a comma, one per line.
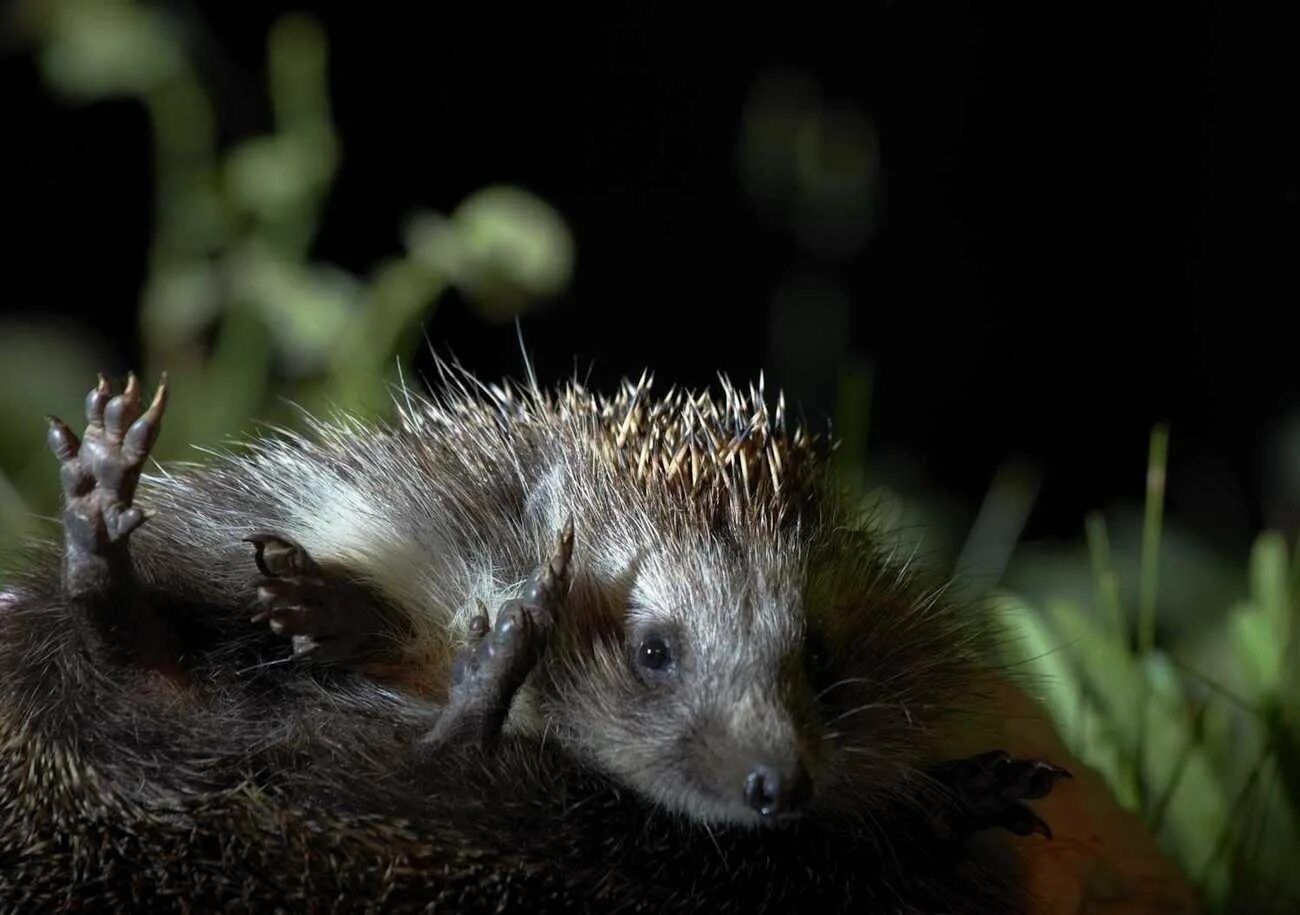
(492,667)
(327,617)
(99,473)
(989,791)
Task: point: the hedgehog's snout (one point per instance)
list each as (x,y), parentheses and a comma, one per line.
(759,760)
(775,790)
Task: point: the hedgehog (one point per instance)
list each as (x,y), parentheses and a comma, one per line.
(452,649)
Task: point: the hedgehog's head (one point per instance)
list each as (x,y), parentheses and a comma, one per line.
(729,648)
(686,680)
(751,683)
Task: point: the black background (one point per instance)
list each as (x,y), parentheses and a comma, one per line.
(1089,223)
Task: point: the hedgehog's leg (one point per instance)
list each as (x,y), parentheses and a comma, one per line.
(989,791)
(99,473)
(488,672)
(329,618)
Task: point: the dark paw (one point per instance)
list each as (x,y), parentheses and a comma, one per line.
(492,667)
(989,791)
(99,474)
(326,618)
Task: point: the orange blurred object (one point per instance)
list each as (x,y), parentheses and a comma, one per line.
(1101,859)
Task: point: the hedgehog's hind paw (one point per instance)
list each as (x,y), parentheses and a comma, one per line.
(486,674)
(334,621)
(989,791)
(497,659)
(99,474)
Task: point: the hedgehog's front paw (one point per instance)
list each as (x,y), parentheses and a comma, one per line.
(989,791)
(488,672)
(330,620)
(99,473)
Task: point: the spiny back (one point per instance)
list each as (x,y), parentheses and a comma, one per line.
(694,449)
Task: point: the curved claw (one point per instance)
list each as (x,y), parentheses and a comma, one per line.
(292,619)
(96,400)
(143,432)
(480,624)
(1021,821)
(278,557)
(62,440)
(1039,780)
(552,581)
(123,409)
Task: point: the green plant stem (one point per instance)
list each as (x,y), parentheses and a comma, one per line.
(1149,583)
(1104,580)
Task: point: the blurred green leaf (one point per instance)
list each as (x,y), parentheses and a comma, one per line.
(1037,658)
(98,48)
(1261,626)
(503,246)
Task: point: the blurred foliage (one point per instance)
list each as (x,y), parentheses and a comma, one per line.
(1193,720)
(234,308)
(810,164)
(1194,725)
(1199,735)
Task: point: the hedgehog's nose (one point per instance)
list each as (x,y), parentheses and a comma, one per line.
(771,791)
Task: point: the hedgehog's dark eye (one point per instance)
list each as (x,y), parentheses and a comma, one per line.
(653,653)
